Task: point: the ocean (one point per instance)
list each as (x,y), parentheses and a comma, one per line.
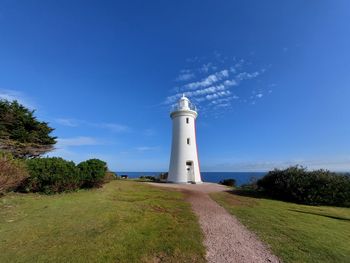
(212,177)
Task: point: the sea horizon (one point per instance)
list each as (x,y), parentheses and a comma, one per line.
(210,177)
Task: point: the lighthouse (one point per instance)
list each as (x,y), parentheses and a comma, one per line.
(184,162)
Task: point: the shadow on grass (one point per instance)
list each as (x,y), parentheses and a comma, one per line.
(258,194)
(250,193)
(320,214)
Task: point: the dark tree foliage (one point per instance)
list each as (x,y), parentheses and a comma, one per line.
(92,172)
(21,133)
(296,184)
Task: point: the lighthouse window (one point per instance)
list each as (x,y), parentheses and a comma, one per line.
(187,120)
(188,141)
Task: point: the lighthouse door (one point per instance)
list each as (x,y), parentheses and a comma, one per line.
(189,169)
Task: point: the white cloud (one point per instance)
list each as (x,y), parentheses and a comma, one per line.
(114,127)
(224,100)
(67,122)
(230,82)
(208,90)
(223,105)
(246,75)
(335,163)
(218,95)
(209,80)
(76,141)
(146,148)
(214,91)
(205,68)
(185,75)
(11,95)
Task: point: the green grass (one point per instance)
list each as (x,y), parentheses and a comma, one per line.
(296,233)
(122,222)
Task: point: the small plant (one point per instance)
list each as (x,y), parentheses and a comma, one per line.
(229,182)
(12,173)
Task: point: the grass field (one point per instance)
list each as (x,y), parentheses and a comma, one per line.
(122,222)
(296,233)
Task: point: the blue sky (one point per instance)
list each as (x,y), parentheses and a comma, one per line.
(271,79)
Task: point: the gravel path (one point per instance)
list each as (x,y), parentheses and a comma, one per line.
(226,239)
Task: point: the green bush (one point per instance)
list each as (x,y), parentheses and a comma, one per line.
(12,173)
(296,184)
(228,182)
(92,172)
(51,175)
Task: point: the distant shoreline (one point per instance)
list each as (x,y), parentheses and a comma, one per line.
(212,177)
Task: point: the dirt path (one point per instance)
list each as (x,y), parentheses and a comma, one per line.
(226,239)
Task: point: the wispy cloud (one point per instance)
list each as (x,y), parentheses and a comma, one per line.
(11,95)
(246,75)
(77,141)
(216,83)
(113,127)
(209,80)
(149,132)
(185,75)
(146,148)
(67,122)
(337,163)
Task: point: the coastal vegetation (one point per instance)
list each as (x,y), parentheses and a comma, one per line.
(23,139)
(12,173)
(228,182)
(295,232)
(124,221)
(56,175)
(297,184)
(21,134)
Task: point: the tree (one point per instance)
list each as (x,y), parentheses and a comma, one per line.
(21,133)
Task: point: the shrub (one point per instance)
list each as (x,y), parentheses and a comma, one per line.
(229,182)
(92,172)
(12,173)
(51,175)
(163,177)
(296,184)
(109,176)
(148,178)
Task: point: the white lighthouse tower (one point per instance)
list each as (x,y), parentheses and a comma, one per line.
(184,163)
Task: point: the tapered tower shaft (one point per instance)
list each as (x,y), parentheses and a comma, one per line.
(184,162)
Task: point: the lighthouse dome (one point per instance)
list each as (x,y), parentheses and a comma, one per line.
(184,104)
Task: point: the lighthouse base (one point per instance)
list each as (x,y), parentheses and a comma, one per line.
(172,182)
